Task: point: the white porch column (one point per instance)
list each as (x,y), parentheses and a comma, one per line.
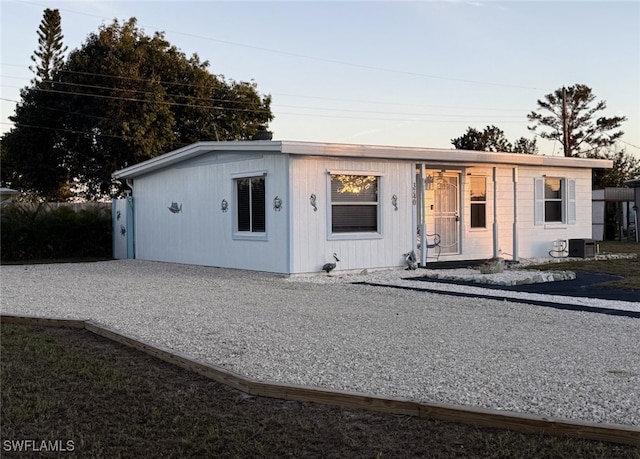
(423,227)
(495,212)
(515,214)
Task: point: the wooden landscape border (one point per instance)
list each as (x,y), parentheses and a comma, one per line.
(480,417)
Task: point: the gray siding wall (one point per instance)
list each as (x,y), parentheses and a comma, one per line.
(201,233)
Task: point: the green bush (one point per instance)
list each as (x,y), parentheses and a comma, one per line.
(41,232)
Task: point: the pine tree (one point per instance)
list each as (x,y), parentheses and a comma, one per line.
(50,53)
(32,157)
(574,122)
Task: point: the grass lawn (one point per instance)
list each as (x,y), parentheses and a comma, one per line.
(628,269)
(105,400)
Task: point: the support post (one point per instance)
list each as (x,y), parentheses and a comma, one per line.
(495,212)
(514,251)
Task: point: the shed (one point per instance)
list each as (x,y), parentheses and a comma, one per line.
(287,206)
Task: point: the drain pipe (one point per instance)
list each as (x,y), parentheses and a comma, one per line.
(635,211)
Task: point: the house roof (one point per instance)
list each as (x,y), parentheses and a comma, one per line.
(441,156)
(633,183)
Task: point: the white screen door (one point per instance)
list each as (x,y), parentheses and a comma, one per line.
(446,211)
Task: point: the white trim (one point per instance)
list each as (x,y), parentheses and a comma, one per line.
(571,202)
(331,236)
(248,235)
(444,156)
(538,201)
(567,199)
(258,173)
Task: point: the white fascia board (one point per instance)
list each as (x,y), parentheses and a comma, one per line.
(191,151)
(437,155)
(462,157)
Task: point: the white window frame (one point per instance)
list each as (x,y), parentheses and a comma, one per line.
(568,199)
(356,235)
(248,235)
(472,203)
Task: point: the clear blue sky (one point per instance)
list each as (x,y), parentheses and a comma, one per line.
(391,73)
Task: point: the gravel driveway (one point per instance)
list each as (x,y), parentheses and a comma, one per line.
(386,341)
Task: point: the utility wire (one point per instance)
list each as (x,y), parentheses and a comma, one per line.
(308,57)
(466,117)
(281,94)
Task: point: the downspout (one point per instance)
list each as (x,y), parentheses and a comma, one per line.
(131,230)
(495,212)
(515,214)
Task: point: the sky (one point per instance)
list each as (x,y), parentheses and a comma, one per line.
(383,72)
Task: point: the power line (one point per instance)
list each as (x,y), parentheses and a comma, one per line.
(308,57)
(477,117)
(631,145)
(334,99)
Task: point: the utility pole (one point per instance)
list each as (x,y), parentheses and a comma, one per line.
(565,121)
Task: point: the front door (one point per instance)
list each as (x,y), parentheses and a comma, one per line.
(446,211)
(441,198)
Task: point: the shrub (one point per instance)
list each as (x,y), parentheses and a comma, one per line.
(42,232)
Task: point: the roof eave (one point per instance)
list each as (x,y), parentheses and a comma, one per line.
(435,154)
(191,151)
(448,156)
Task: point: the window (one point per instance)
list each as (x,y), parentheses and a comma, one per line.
(250,198)
(354,203)
(478,202)
(555,201)
(553,192)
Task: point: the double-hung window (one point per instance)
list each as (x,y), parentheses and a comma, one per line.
(250,208)
(555,201)
(478,200)
(553,194)
(354,203)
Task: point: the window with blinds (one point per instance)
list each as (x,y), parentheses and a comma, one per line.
(250,198)
(354,203)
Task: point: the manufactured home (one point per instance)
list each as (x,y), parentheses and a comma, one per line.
(287,206)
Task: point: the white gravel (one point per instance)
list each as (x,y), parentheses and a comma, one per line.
(324,331)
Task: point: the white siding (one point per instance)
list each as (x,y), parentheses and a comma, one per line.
(534,240)
(201,233)
(312,246)
(297,239)
(537,240)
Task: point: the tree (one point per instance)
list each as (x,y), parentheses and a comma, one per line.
(32,157)
(131,97)
(50,53)
(124,97)
(625,167)
(492,139)
(570,118)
